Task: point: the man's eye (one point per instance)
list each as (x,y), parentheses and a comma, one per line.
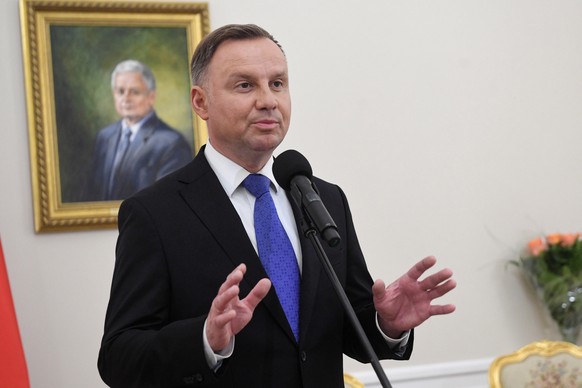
(278,84)
(129,92)
(244,85)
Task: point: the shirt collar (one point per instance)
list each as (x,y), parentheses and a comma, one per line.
(135,127)
(231,174)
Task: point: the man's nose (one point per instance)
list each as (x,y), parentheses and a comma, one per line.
(266,98)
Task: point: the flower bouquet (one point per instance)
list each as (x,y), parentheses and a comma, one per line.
(553,265)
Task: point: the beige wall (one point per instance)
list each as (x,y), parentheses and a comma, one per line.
(454,126)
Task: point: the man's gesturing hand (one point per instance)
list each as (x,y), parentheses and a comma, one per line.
(229,314)
(406,303)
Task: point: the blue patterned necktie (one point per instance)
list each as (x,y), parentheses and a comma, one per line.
(275,249)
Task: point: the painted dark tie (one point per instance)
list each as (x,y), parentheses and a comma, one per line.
(275,249)
(119,156)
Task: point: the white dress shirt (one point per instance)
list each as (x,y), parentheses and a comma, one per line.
(134,129)
(231,176)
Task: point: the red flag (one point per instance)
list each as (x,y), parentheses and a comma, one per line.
(13,372)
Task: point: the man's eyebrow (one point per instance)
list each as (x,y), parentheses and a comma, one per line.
(282,74)
(245,75)
(239,75)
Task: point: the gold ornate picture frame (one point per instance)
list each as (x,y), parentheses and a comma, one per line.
(70,49)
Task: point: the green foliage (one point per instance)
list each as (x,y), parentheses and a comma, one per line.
(555,270)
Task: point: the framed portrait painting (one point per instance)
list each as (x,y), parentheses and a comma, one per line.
(94,71)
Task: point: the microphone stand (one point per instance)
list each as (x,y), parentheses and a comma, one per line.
(310,233)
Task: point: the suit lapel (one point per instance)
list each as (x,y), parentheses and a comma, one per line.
(312,275)
(310,272)
(137,146)
(209,202)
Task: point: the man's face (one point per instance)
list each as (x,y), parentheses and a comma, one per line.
(245,99)
(133,100)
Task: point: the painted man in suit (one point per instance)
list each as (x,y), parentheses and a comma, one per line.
(191,302)
(139,149)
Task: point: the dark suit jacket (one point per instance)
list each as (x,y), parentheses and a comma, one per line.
(178,241)
(156,150)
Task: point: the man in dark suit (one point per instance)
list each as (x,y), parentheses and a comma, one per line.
(191,302)
(139,149)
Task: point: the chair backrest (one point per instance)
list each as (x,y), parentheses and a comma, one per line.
(542,364)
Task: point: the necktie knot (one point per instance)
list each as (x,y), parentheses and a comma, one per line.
(257,184)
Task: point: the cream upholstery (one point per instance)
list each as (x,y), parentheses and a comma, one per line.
(352,382)
(543,364)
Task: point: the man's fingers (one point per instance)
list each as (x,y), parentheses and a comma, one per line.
(421,267)
(221,320)
(442,289)
(233,278)
(224,299)
(441,310)
(259,291)
(378,288)
(434,280)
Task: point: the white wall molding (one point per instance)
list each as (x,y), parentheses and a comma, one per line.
(457,374)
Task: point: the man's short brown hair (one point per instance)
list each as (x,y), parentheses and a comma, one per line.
(208,46)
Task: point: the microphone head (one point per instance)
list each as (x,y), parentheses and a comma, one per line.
(288,165)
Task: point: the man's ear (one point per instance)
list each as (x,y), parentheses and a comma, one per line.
(199,99)
(152,97)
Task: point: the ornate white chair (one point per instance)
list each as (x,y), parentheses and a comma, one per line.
(542,364)
(351,382)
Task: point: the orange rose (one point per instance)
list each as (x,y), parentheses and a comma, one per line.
(554,238)
(569,239)
(536,246)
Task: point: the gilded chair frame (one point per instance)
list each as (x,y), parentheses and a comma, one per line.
(351,382)
(539,348)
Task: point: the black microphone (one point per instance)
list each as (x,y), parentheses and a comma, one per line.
(293,173)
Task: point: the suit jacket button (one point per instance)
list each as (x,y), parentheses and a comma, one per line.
(191,380)
(303,356)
